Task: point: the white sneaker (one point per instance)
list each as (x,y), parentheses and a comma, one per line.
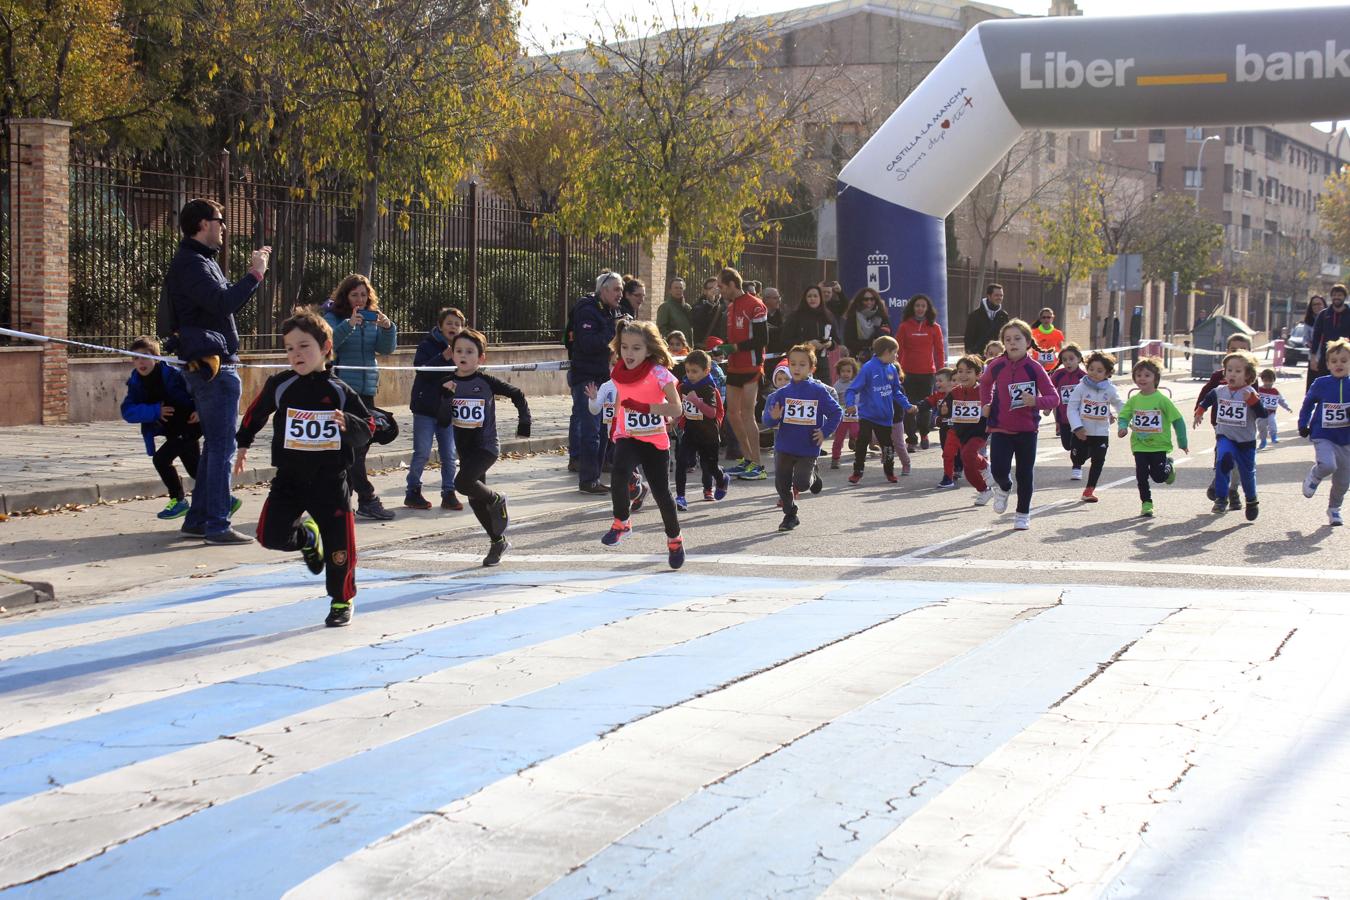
(1310,484)
(1334,516)
(1000,500)
(1076,475)
(983,497)
(1021,522)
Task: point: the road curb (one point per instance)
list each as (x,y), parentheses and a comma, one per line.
(86,495)
(16,592)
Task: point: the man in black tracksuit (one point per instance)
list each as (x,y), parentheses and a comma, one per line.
(312,453)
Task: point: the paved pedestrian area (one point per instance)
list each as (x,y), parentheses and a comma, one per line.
(599,729)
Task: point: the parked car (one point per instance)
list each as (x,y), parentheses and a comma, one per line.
(1296,348)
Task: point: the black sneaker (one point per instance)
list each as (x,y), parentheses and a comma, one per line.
(339,614)
(497,510)
(816,484)
(228,536)
(593,487)
(374,509)
(1253,508)
(790,520)
(313,549)
(495,551)
(192,532)
(1211,494)
(1234,502)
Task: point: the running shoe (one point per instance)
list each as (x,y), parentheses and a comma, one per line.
(374,509)
(1021,522)
(681,504)
(1210,493)
(616,533)
(790,520)
(723,485)
(500,517)
(740,466)
(641,496)
(947,482)
(1253,510)
(1220,506)
(593,487)
(923,442)
(1076,474)
(855,478)
(1334,516)
(904,471)
(834,463)
(1234,502)
(708,496)
(911,448)
(495,551)
(339,614)
(413,499)
(312,551)
(1089,496)
(1171,472)
(193,532)
(174,510)
(983,497)
(675,552)
(1274,440)
(1000,500)
(1147,509)
(1262,445)
(891,477)
(1310,483)
(235,503)
(753,473)
(816,484)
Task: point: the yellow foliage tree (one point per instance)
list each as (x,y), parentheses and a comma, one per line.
(1334,211)
(1068,235)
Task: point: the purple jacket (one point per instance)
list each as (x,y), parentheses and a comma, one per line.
(1004,381)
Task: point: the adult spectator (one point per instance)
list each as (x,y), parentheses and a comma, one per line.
(360,331)
(986,320)
(1316,303)
(1330,324)
(865,320)
(835,301)
(811,323)
(634,294)
(709,316)
(921,355)
(198,304)
(773,302)
(594,322)
(674,314)
(747,336)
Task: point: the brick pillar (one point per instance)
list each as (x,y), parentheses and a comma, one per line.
(652,272)
(39,150)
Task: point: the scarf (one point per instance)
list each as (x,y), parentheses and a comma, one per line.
(624,375)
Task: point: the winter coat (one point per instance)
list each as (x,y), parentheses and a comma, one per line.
(426,389)
(146,397)
(199,304)
(357,347)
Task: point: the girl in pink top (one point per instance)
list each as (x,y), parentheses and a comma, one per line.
(645,397)
(1014,390)
(922,354)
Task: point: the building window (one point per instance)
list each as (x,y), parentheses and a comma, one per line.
(1195,135)
(1195,178)
(1247,177)
(1157,135)
(1049,146)
(1157,169)
(1123,134)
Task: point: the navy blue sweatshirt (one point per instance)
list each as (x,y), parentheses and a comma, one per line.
(472,409)
(807,405)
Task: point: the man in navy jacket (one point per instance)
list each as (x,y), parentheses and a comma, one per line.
(198,306)
(1330,324)
(593,325)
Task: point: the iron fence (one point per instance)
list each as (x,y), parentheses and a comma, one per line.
(488,257)
(9,312)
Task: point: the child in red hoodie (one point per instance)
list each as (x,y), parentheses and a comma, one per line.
(966,436)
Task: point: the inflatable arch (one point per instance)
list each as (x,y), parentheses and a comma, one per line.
(1008,76)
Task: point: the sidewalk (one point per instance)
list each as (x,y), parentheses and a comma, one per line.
(46,466)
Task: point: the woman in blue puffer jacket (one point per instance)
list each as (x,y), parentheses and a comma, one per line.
(360,331)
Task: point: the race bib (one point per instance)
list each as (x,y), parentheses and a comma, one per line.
(1270,401)
(799,412)
(607,413)
(1336,415)
(639,424)
(1048,357)
(851,417)
(692,412)
(1021,394)
(1096,412)
(1230,412)
(1148,421)
(312,430)
(966,412)
(1064,393)
(469,412)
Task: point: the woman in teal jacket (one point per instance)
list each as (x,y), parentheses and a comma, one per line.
(360,330)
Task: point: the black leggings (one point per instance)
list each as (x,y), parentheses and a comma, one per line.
(629,455)
(356,473)
(1002,449)
(471,481)
(1091,448)
(917,387)
(866,432)
(1150,465)
(792,471)
(178,446)
(703,447)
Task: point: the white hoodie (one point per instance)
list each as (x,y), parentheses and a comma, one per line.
(1093,406)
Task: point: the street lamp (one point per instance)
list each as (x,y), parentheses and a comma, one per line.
(1198,177)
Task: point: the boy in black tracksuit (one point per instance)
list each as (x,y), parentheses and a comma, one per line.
(318,423)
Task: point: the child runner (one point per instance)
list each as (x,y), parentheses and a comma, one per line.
(157,398)
(899,412)
(471,406)
(1092,406)
(700,423)
(1236,406)
(1325,417)
(1236,343)
(647,397)
(1065,377)
(317,424)
(967,436)
(1147,417)
(875,393)
(1272,400)
(1049,341)
(425,403)
(1013,389)
(805,413)
(992,350)
(847,370)
(941,414)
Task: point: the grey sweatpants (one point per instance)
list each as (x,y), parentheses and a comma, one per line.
(1333,461)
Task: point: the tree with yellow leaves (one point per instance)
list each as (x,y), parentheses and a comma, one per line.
(1069,235)
(1333,211)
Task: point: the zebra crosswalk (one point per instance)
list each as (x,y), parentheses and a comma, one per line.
(576,732)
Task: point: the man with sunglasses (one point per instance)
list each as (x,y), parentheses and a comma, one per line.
(198,307)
